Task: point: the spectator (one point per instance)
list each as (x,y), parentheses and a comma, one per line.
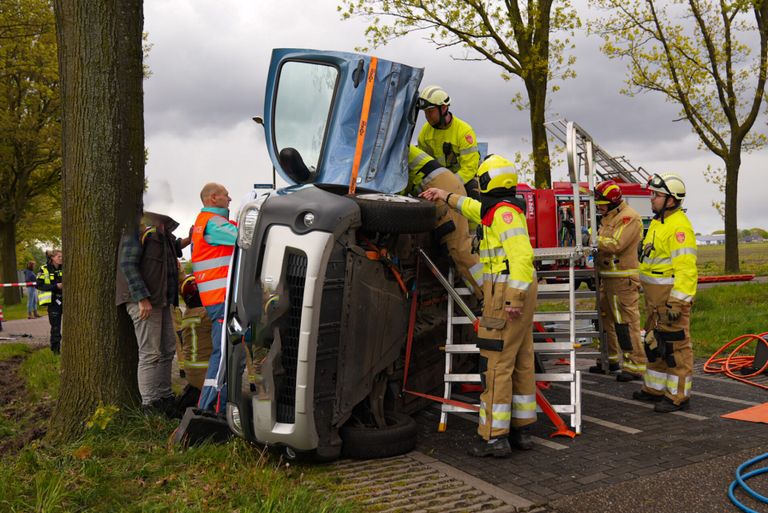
(30,277)
(49,283)
(147,284)
(213,241)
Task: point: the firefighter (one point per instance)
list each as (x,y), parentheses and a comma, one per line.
(668,274)
(621,230)
(505,337)
(450,140)
(451,228)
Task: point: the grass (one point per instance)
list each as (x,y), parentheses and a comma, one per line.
(721,314)
(125,463)
(19,311)
(753,259)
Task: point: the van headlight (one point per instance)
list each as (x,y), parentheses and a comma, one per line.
(246,223)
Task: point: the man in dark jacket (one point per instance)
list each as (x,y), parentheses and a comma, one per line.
(147,284)
(50,286)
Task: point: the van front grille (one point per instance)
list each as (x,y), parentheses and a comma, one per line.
(296,277)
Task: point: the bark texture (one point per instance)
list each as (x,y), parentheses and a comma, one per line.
(100,62)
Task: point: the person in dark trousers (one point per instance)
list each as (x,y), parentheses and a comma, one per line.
(147,284)
(50,287)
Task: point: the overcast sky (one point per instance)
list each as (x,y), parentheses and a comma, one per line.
(209,62)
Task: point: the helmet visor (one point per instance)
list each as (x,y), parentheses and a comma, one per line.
(423,104)
(657,183)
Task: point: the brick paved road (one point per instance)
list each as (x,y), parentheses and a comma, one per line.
(631,455)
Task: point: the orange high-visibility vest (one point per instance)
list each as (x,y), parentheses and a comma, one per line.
(210,264)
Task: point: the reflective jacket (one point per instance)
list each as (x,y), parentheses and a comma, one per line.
(621,230)
(505,250)
(459,139)
(210,263)
(669,256)
(47,279)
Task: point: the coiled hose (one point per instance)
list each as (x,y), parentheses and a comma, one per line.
(740,482)
(734,362)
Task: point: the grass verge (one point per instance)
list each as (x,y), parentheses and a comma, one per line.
(124,462)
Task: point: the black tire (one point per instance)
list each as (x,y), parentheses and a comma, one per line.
(365,443)
(392,213)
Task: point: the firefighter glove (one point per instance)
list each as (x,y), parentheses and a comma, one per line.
(674,311)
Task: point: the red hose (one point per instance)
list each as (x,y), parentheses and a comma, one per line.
(734,362)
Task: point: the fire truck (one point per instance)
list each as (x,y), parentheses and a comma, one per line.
(550,212)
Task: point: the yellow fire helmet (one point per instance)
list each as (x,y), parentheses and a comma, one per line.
(496,172)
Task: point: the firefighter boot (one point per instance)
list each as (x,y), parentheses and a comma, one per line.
(496,447)
(625,377)
(667,406)
(642,395)
(520,439)
(598,368)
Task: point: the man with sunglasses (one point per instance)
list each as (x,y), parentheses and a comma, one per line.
(621,230)
(669,276)
(450,140)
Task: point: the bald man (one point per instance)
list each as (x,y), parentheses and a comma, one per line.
(213,242)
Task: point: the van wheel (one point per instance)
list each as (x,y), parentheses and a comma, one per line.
(361,442)
(392,213)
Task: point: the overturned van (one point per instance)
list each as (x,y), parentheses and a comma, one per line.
(319,304)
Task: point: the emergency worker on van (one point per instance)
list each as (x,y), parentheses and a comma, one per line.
(450,140)
(505,337)
(669,277)
(617,241)
(451,228)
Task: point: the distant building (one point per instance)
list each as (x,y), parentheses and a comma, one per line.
(710,240)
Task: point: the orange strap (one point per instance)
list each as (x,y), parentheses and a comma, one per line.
(363,124)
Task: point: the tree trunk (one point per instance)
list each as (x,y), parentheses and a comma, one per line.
(732,166)
(100,62)
(537,98)
(8,274)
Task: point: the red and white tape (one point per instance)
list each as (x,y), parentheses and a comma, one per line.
(20,284)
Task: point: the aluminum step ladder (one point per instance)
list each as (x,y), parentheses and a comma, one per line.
(564,344)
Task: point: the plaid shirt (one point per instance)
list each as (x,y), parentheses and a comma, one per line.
(130,260)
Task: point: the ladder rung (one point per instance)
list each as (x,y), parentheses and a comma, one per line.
(560,335)
(542,347)
(463,291)
(555,376)
(554,287)
(461,348)
(552,347)
(462,378)
(449,408)
(551,316)
(460,320)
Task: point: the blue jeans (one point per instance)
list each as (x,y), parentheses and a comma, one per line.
(211,398)
(31,300)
